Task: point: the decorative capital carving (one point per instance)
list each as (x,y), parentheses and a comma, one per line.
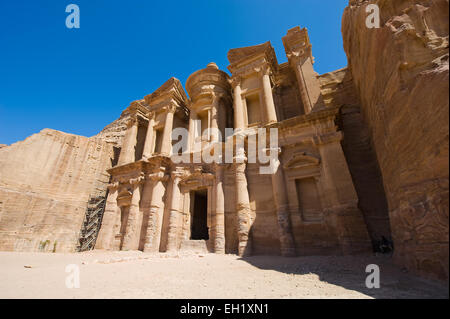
(178,174)
(137,181)
(235,81)
(151,115)
(171,107)
(113,186)
(263,70)
(131,121)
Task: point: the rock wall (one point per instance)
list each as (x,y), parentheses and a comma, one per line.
(400,72)
(114,132)
(45,182)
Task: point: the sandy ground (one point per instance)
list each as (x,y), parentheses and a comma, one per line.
(139,275)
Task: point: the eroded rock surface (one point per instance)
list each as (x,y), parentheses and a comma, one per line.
(400,72)
(45,182)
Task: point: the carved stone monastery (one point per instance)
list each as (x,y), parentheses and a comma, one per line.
(308,206)
(363,156)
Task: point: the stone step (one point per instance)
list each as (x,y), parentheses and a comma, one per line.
(194,246)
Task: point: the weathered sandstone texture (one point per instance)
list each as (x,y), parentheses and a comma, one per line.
(338,89)
(114,132)
(400,72)
(45,182)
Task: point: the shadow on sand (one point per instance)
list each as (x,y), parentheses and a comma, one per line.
(349,272)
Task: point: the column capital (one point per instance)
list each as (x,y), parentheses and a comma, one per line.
(171,107)
(137,181)
(263,70)
(132,121)
(113,186)
(151,115)
(177,174)
(235,81)
(327,138)
(157,176)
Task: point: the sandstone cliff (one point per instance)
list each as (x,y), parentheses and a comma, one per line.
(400,72)
(114,132)
(45,182)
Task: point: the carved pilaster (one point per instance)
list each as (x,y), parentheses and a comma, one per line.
(237,103)
(166,147)
(105,239)
(132,231)
(219,215)
(155,218)
(129,142)
(243,210)
(175,213)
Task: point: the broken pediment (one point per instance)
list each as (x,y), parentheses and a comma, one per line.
(301,160)
(170,90)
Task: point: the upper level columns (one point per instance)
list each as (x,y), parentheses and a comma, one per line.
(148,146)
(298,51)
(237,103)
(129,143)
(214,119)
(301,84)
(166,147)
(269,105)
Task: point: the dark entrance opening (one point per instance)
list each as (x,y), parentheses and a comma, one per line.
(199,215)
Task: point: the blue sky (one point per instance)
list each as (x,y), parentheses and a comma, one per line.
(80,80)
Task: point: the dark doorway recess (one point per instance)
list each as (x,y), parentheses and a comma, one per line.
(199,215)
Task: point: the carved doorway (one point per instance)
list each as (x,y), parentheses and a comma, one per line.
(199,215)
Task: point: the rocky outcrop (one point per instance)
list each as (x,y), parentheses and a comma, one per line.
(400,72)
(45,183)
(114,132)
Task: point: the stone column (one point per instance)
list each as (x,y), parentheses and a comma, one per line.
(148,145)
(166,148)
(105,237)
(129,142)
(175,214)
(287,243)
(219,216)
(238,105)
(308,83)
(302,85)
(243,210)
(215,118)
(132,232)
(340,196)
(155,219)
(192,119)
(269,105)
